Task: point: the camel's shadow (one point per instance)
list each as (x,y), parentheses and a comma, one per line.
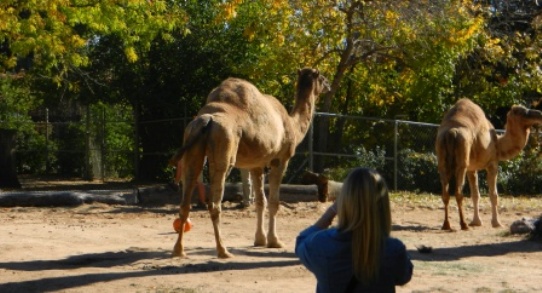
(151,263)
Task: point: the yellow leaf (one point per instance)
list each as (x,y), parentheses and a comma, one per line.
(131,54)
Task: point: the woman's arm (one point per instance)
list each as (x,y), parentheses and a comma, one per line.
(327,217)
(403,265)
(301,249)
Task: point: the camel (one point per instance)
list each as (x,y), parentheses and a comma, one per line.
(241,127)
(537,105)
(467,142)
(328,190)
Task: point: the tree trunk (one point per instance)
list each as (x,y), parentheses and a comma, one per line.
(323,125)
(8,172)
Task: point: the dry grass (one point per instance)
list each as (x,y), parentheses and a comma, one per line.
(519,204)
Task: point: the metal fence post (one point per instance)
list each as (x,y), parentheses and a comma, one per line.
(47,164)
(311,158)
(395,156)
(88,172)
(103,144)
(136,118)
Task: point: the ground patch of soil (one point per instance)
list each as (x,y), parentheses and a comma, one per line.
(126,248)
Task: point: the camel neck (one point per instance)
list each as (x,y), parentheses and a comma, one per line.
(511,143)
(301,114)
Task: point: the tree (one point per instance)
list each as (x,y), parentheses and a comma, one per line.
(397,56)
(49,40)
(172,80)
(382,45)
(504,66)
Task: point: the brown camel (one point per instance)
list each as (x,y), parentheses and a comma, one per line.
(537,105)
(328,190)
(467,142)
(241,127)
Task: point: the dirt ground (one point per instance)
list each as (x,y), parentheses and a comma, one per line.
(104,248)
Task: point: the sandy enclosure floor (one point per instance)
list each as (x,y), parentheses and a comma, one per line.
(103,248)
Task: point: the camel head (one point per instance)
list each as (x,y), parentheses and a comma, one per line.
(311,78)
(320,181)
(537,105)
(523,118)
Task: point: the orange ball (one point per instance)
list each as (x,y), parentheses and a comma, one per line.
(177,225)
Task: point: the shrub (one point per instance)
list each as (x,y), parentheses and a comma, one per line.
(521,175)
(418,172)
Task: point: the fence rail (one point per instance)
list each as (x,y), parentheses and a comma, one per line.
(402,150)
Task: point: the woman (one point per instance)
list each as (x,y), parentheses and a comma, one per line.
(358,255)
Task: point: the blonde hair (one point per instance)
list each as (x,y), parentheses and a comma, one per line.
(363,207)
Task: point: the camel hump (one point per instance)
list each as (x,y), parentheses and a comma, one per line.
(235,92)
(465,113)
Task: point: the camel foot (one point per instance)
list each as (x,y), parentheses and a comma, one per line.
(496,224)
(224,254)
(178,252)
(464,227)
(446,226)
(275,244)
(260,240)
(475,223)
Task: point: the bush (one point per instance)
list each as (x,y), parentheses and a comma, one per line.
(418,172)
(371,159)
(34,153)
(521,175)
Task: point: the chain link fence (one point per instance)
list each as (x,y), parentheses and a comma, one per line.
(103,143)
(96,143)
(403,151)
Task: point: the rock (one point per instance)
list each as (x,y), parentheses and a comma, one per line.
(538,227)
(523,226)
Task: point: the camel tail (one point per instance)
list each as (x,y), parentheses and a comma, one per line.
(450,143)
(197,130)
(449,151)
(454,150)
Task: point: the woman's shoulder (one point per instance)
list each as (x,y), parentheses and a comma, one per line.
(331,233)
(324,237)
(394,245)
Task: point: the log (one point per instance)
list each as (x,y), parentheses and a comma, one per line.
(163,194)
(142,195)
(64,198)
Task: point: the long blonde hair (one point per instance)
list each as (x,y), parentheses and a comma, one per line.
(363,207)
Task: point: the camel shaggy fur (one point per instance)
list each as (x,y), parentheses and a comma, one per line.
(537,105)
(241,127)
(467,142)
(328,190)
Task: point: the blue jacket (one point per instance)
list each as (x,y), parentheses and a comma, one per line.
(327,253)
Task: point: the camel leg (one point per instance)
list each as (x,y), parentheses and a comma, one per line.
(178,248)
(218,177)
(445,195)
(460,181)
(248,197)
(446,201)
(493,195)
(275,178)
(475,194)
(184,212)
(189,168)
(261,202)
